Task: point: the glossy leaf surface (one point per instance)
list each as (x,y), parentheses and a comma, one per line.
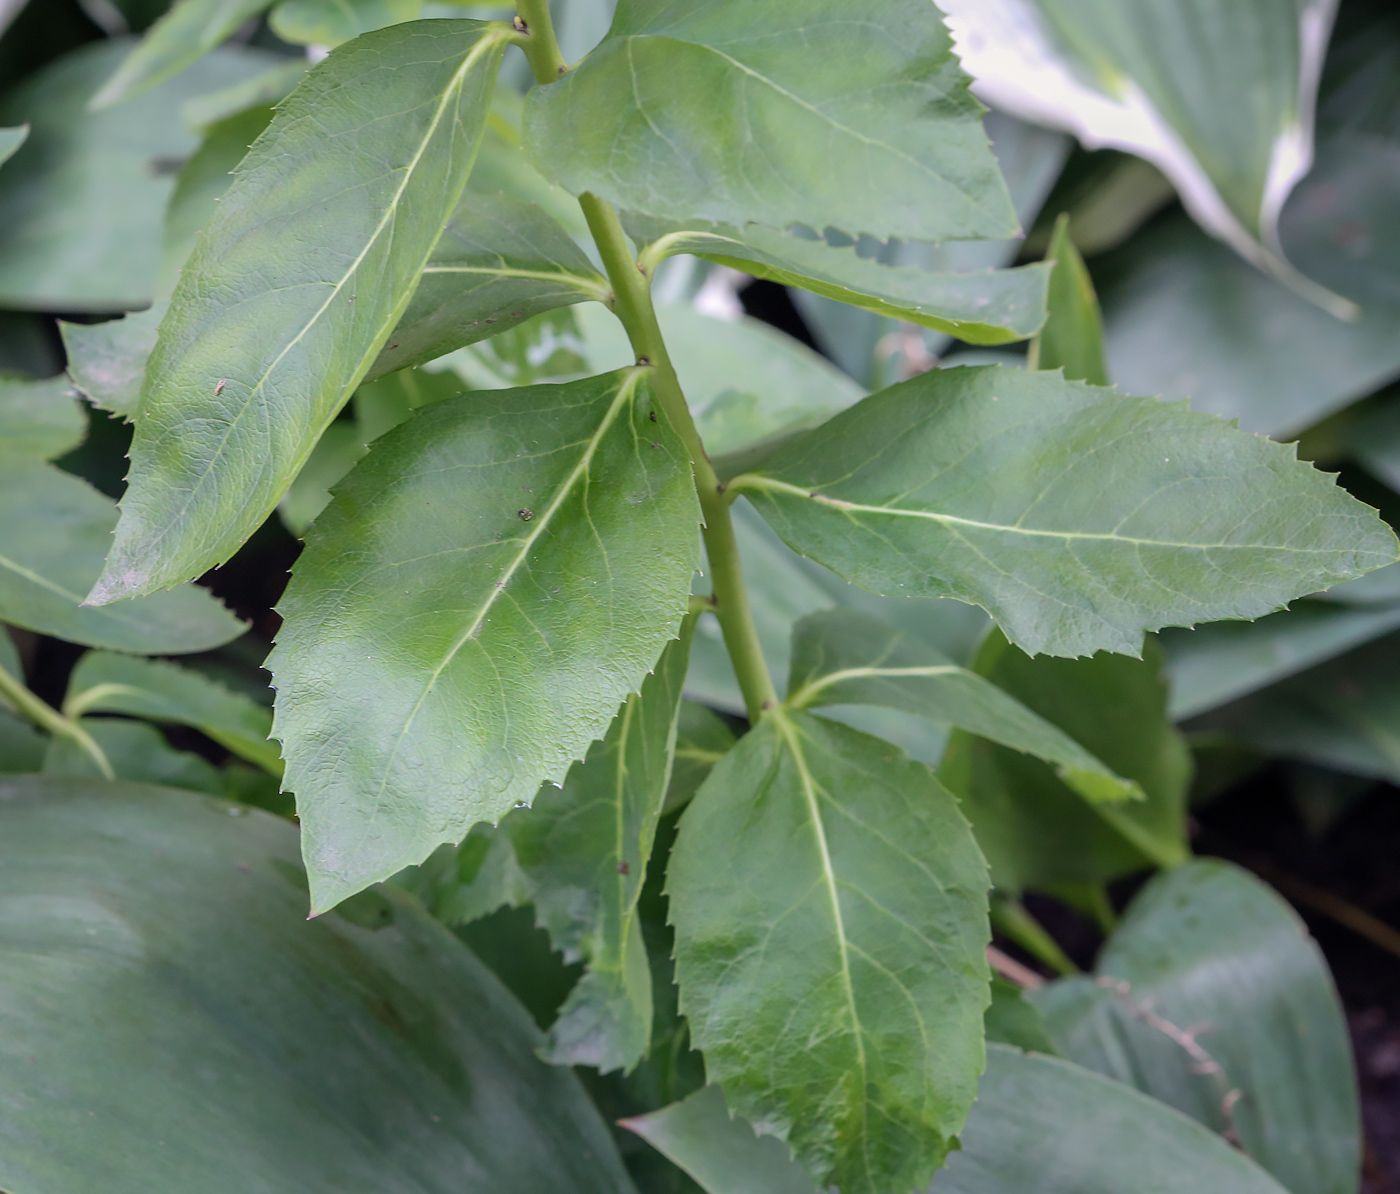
(830,915)
(983,307)
(182,36)
(1219,98)
(108,683)
(293,288)
(434,671)
(843,657)
(1072,338)
(373,1054)
(54,531)
(81,201)
(499,262)
(39,419)
(584,849)
(1211,985)
(714,112)
(1076,516)
(1035,831)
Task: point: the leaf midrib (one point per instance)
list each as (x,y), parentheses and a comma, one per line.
(485,44)
(772,485)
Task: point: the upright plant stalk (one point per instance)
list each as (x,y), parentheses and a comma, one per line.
(50,719)
(633,306)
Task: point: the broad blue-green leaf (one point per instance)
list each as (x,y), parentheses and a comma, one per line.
(330,22)
(844,657)
(11,140)
(1342,714)
(104,682)
(1381,587)
(703,738)
(21,746)
(1219,97)
(1039,1124)
(39,419)
(1186,319)
(293,289)
(184,35)
(830,913)
(1035,831)
(81,202)
(54,530)
(1373,438)
(1076,516)
(498,262)
(1042,1124)
(715,112)
(722,1153)
(434,671)
(1011,1020)
(747,383)
(584,849)
(1213,998)
(1214,664)
(1072,338)
(137,752)
(986,307)
(186,1029)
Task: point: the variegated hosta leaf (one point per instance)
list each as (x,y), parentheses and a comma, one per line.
(1219,96)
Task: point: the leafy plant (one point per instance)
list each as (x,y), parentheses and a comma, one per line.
(655,623)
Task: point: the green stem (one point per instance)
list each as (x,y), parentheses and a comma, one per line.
(538,41)
(633,306)
(50,719)
(1010,918)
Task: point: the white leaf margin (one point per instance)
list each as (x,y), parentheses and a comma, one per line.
(1017,66)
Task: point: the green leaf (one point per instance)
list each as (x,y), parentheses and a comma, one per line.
(160,970)
(715,112)
(986,307)
(1035,831)
(1076,516)
(1043,1124)
(54,530)
(1186,318)
(1011,1020)
(721,1152)
(11,140)
(844,657)
(293,289)
(180,38)
(1220,98)
(1039,1124)
(434,672)
(136,752)
(107,683)
(271,87)
(584,848)
(830,913)
(1341,714)
(1072,338)
(39,419)
(330,22)
(499,262)
(21,746)
(747,383)
(703,738)
(1214,664)
(81,202)
(1214,999)
(460,884)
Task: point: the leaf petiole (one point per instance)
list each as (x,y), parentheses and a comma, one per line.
(48,718)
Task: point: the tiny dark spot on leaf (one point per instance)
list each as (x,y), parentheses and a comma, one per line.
(651,414)
(623,868)
(525,515)
(520,26)
(517,314)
